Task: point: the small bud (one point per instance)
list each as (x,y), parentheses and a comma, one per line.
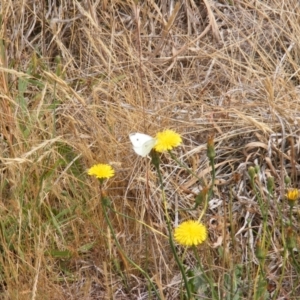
(257,169)
(270,184)
(287,180)
(201,196)
(260,252)
(290,240)
(211,153)
(251,172)
(106,201)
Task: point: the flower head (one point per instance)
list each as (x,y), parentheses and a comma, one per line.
(167,140)
(292,194)
(190,233)
(101,171)
(211,153)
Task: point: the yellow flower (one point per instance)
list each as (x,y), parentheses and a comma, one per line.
(101,171)
(292,194)
(167,140)
(190,233)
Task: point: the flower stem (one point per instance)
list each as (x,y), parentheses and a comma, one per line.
(209,281)
(171,242)
(104,206)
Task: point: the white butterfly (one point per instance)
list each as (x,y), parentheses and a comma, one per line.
(142,143)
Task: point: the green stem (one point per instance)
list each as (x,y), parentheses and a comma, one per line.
(171,242)
(213,177)
(297,266)
(291,214)
(264,211)
(121,249)
(282,275)
(199,265)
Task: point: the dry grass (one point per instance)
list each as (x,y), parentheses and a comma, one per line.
(76,77)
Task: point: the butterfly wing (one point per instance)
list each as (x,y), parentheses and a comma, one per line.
(142,143)
(138,139)
(147,146)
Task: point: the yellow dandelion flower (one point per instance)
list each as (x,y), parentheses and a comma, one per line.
(167,140)
(190,233)
(101,171)
(292,194)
